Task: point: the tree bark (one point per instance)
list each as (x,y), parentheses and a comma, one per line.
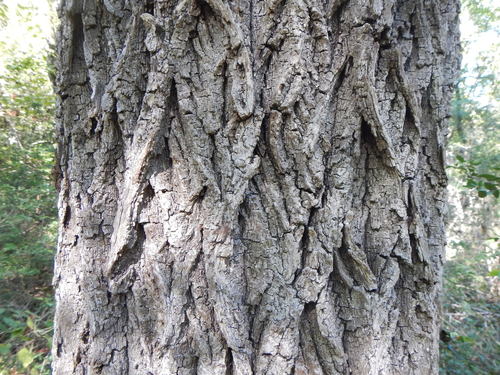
(251,187)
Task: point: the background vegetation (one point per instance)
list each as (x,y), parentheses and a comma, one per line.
(470,335)
(471,325)
(27,196)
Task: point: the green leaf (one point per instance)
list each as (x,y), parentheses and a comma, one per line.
(30,323)
(489,186)
(482,193)
(465,339)
(471,183)
(25,356)
(489,177)
(494,273)
(460,158)
(5,349)
(10,322)
(18,332)
(496,193)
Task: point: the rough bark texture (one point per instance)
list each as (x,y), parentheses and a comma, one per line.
(251,186)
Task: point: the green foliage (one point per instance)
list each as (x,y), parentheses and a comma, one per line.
(472,318)
(483,183)
(25,337)
(27,200)
(27,208)
(3,14)
(470,337)
(484,13)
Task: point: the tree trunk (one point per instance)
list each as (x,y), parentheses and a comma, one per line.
(251,187)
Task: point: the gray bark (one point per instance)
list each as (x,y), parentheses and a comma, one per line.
(251,187)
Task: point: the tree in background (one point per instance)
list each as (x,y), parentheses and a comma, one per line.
(251,187)
(27,204)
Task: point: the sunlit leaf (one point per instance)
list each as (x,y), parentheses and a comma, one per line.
(25,357)
(465,339)
(494,273)
(30,323)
